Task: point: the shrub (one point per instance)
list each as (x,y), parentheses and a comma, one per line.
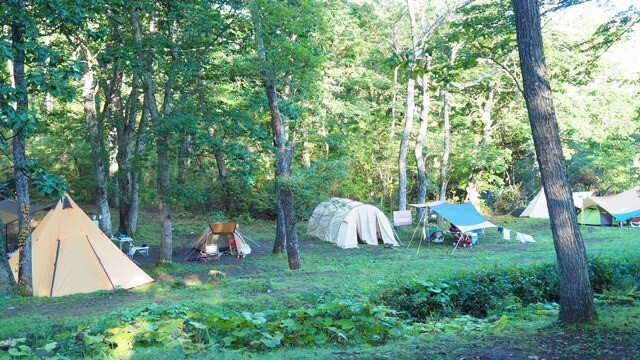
(497,289)
(178,328)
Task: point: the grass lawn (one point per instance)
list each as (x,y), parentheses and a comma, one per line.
(262,281)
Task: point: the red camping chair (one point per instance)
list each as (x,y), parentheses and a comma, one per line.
(459,238)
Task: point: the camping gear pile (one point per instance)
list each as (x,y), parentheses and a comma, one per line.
(71,255)
(594,210)
(216,240)
(347,223)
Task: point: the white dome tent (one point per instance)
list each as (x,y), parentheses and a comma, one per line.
(347,222)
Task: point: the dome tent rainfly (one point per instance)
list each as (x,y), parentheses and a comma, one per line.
(346,222)
(71,255)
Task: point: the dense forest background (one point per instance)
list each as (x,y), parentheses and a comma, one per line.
(343,70)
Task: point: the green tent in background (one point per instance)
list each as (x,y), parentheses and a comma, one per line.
(593,216)
(613,209)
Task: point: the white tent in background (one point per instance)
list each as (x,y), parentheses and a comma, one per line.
(347,222)
(537,208)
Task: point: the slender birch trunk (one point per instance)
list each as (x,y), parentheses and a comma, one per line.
(421,195)
(96,140)
(446,109)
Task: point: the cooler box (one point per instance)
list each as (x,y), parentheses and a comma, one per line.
(474,238)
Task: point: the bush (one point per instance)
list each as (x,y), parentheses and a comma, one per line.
(184,330)
(493,290)
(507,200)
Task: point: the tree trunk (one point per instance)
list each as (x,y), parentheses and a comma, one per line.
(576,298)
(408,125)
(136,170)
(124,132)
(421,196)
(404,146)
(446,110)
(285,150)
(162,147)
(280,242)
(7,282)
(19,154)
(473,188)
(230,201)
(96,142)
(183,155)
(392,135)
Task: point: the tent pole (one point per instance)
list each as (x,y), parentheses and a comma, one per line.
(455,247)
(425,219)
(416,230)
(55,268)
(100,261)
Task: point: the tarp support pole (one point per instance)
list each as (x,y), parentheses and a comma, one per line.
(100,261)
(55,268)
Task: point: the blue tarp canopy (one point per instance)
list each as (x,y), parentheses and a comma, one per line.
(464,216)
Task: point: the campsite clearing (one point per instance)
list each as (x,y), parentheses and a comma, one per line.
(260,281)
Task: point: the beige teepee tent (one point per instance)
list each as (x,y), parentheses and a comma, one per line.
(537,208)
(71,255)
(346,222)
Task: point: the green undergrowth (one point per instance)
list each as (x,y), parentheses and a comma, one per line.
(487,291)
(489,299)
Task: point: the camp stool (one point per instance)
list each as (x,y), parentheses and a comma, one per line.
(143,250)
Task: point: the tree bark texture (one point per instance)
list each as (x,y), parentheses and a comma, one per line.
(421,195)
(408,125)
(280,243)
(183,156)
(446,113)
(162,147)
(392,135)
(19,154)
(285,150)
(124,136)
(136,170)
(96,140)
(404,146)
(576,298)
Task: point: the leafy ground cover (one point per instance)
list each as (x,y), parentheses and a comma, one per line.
(259,289)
